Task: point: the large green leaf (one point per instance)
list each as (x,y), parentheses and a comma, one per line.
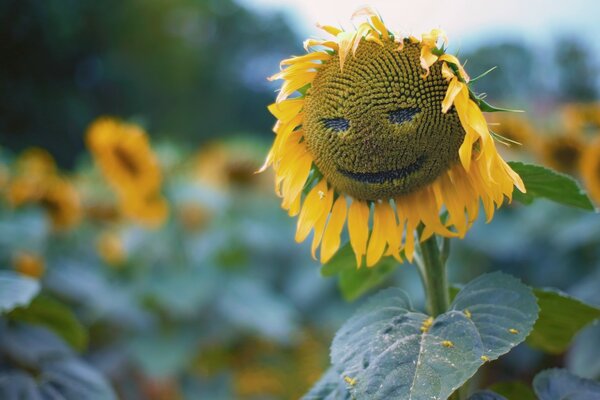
(561,317)
(388,350)
(68,379)
(542,182)
(354,282)
(502,308)
(560,384)
(16,290)
(55,316)
(330,387)
(487,395)
(513,390)
(583,358)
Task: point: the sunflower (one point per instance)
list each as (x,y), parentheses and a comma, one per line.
(28,264)
(382,132)
(33,168)
(589,168)
(37,181)
(124,155)
(111,249)
(578,117)
(516,131)
(562,152)
(130,166)
(62,203)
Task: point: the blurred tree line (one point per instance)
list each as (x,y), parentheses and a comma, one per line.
(195,69)
(192,69)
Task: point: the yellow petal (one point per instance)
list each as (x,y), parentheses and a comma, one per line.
(314,56)
(358,228)
(377,241)
(390,227)
(316,42)
(320,224)
(332,30)
(331,237)
(447,72)
(454,88)
(453,60)
(314,206)
(286,110)
(345,41)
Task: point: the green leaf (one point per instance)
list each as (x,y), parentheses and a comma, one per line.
(583,358)
(354,282)
(16,290)
(502,308)
(542,182)
(487,395)
(388,350)
(559,384)
(68,379)
(330,387)
(513,390)
(57,317)
(561,317)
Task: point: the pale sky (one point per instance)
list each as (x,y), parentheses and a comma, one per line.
(466,22)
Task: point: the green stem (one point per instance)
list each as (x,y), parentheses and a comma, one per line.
(432,267)
(433,273)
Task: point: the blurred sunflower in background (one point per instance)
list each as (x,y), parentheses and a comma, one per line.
(579,117)
(517,132)
(125,157)
(383,129)
(589,167)
(36,181)
(561,152)
(28,264)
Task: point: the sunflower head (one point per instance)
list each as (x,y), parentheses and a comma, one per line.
(383,132)
(131,167)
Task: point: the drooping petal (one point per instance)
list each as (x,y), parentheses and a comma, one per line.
(315,205)
(377,241)
(358,228)
(331,237)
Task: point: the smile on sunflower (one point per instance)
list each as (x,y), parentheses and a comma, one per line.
(382,128)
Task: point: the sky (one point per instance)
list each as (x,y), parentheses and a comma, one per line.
(467,23)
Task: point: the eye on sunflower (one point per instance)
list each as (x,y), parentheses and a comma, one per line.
(382,132)
(128,163)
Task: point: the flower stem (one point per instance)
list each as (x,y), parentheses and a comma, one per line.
(433,273)
(432,266)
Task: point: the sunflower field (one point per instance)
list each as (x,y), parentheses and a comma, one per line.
(196,204)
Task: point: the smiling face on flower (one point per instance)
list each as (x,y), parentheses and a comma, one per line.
(376,128)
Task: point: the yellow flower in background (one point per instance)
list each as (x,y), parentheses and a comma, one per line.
(561,152)
(226,164)
(128,163)
(111,249)
(124,155)
(28,264)
(192,216)
(62,203)
(579,116)
(150,210)
(382,136)
(36,181)
(589,168)
(516,131)
(32,170)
